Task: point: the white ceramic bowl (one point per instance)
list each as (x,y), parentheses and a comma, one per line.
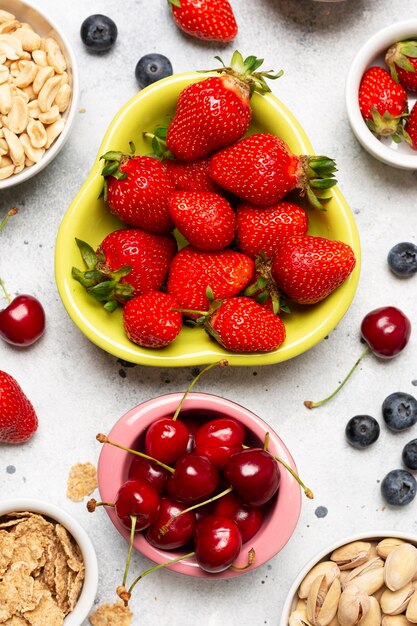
(323,555)
(372,53)
(89,590)
(44,26)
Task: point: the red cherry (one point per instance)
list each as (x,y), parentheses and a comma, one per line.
(166,440)
(386,331)
(142,468)
(247,518)
(195,478)
(219,439)
(254,475)
(217,543)
(136,497)
(193,426)
(179,531)
(23,321)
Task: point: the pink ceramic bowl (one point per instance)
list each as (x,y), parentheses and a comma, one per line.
(280,518)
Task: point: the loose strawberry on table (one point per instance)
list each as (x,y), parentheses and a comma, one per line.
(212,20)
(18,420)
(149,320)
(401,59)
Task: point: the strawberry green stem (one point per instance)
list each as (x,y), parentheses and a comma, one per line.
(192,311)
(222,363)
(154,569)
(103,439)
(129,554)
(251,560)
(164,529)
(312,405)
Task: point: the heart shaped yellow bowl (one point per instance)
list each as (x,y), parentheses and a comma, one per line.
(88,219)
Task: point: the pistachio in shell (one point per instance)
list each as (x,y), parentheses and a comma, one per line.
(400,566)
(323,600)
(369,577)
(395,602)
(351,555)
(353,606)
(328,568)
(385,546)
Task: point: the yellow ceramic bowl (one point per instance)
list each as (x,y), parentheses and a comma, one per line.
(88,218)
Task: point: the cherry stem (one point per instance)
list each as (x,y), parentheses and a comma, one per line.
(6,294)
(129,554)
(153,569)
(251,560)
(93,504)
(103,439)
(164,529)
(2,225)
(312,405)
(222,363)
(266,442)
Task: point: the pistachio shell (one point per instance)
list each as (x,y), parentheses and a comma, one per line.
(385,546)
(411,612)
(299,618)
(353,606)
(395,602)
(400,566)
(395,620)
(369,577)
(379,593)
(323,600)
(373,616)
(328,568)
(351,555)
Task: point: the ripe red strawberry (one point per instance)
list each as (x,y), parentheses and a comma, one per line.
(208,19)
(18,420)
(149,320)
(262,170)
(128,262)
(401,59)
(193,271)
(242,325)
(411,126)
(264,229)
(137,189)
(309,268)
(215,112)
(382,103)
(192,175)
(206,220)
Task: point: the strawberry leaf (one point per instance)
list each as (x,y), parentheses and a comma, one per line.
(88,254)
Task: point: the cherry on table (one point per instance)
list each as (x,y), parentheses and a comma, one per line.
(179,531)
(247,518)
(217,543)
(195,478)
(22,322)
(218,439)
(254,475)
(137,498)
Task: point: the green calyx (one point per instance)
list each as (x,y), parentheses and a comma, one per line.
(175,3)
(399,55)
(245,70)
(112,162)
(316,177)
(388,126)
(265,286)
(159,144)
(99,281)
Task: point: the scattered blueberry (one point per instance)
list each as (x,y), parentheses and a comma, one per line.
(410,454)
(361,431)
(321,511)
(98,33)
(152,67)
(399,487)
(399,411)
(402,259)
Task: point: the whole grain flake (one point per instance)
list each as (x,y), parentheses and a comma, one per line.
(112,615)
(82,481)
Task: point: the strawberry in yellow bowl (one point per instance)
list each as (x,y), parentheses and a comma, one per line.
(236,183)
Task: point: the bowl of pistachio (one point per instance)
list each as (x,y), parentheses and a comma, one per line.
(369,578)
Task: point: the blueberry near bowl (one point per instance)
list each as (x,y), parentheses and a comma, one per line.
(279,517)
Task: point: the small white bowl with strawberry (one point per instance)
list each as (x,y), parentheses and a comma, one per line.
(381,95)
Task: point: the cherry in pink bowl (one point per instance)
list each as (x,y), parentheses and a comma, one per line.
(282,512)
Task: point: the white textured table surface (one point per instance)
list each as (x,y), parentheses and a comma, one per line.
(78,390)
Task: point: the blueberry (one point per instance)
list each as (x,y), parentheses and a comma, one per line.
(410,454)
(361,431)
(399,487)
(402,259)
(98,33)
(152,67)
(399,411)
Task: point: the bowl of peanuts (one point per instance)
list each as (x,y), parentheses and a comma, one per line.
(38,91)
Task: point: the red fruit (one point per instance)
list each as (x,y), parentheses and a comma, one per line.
(264,229)
(180,530)
(149,320)
(216,112)
(206,220)
(212,20)
(309,268)
(254,475)
(137,191)
(401,59)
(18,420)
(166,440)
(411,126)
(192,271)
(195,479)
(191,176)
(142,468)
(386,330)
(382,103)
(247,518)
(138,261)
(217,543)
(23,321)
(242,325)
(137,498)
(262,170)
(219,439)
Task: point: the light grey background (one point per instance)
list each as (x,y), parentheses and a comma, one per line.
(78,390)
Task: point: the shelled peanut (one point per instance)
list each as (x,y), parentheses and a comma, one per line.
(34,92)
(364,583)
